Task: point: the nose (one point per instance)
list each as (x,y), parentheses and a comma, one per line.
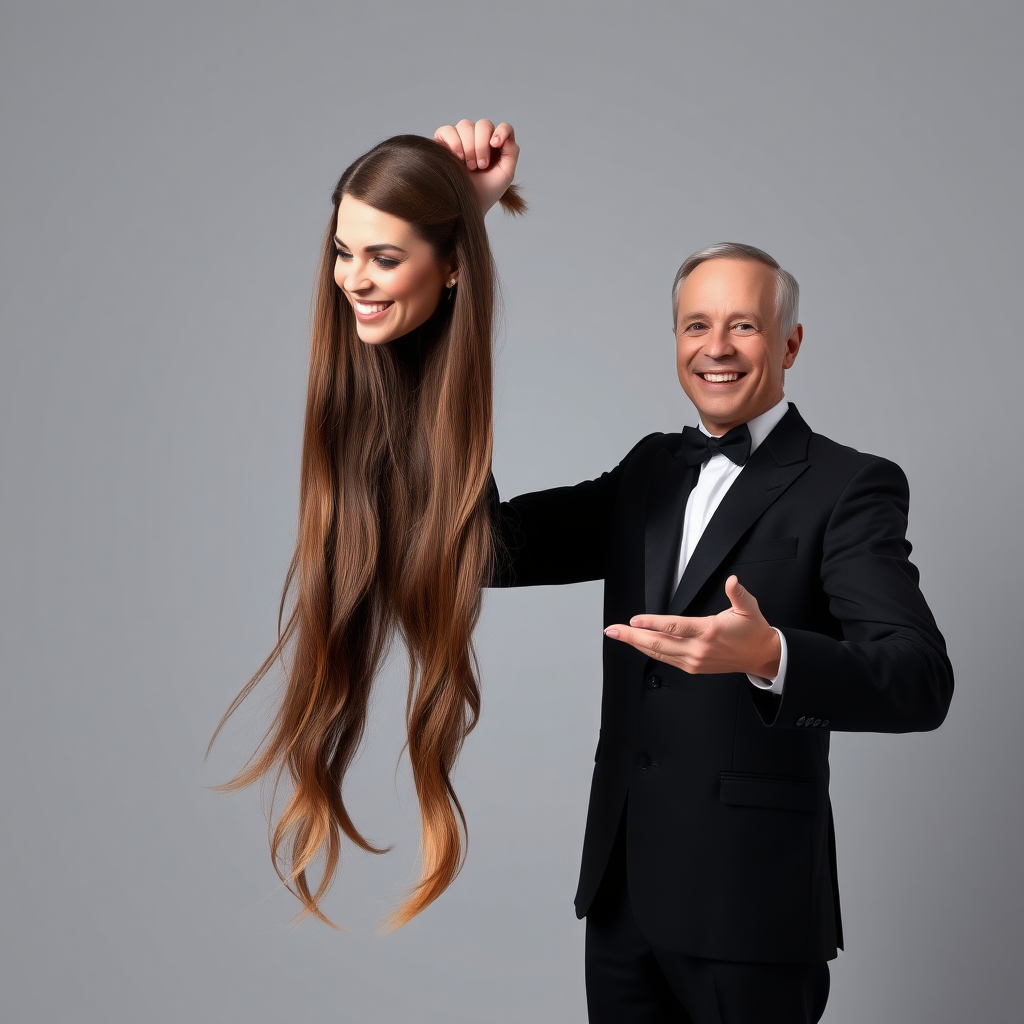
(718,342)
(354,277)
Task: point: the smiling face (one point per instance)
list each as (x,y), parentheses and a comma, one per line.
(730,353)
(389,275)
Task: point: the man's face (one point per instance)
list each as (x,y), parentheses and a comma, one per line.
(730,353)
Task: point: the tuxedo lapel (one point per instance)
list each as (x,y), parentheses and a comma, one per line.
(671,482)
(778,461)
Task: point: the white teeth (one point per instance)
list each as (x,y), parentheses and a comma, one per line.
(370,307)
(720,378)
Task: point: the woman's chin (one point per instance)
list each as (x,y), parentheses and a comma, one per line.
(381,333)
(374,334)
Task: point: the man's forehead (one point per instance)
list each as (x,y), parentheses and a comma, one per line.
(732,285)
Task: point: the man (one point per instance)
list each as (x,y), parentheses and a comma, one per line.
(760,595)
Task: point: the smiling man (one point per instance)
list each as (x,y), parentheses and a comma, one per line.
(760,595)
(733,348)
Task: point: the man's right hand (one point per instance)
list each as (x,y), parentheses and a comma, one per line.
(489,153)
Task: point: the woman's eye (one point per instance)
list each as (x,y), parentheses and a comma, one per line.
(385,263)
(342,255)
(745,327)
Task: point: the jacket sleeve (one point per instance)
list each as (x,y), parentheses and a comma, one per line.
(555,536)
(890,672)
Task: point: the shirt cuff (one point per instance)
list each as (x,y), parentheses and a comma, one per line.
(774,685)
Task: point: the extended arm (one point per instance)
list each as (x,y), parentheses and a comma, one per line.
(556,536)
(553,536)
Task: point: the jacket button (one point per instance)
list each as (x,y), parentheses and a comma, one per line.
(816,723)
(653,682)
(824,723)
(800,720)
(643,762)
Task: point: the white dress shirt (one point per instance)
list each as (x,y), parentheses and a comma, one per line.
(717,475)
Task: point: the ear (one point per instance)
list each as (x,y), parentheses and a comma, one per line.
(451,274)
(793,343)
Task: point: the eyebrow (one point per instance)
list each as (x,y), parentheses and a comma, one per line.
(386,246)
(735,314)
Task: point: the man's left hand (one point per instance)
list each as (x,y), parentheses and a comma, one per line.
(736,640)
(489,153)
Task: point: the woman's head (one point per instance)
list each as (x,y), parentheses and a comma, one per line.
(389,274)
(407,227)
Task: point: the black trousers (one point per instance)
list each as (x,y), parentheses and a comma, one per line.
(631,982)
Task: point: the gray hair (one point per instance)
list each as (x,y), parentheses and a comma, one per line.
(787,291)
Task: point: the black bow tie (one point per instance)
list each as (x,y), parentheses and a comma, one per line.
(698,447)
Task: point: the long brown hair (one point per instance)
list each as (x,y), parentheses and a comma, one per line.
(393,535)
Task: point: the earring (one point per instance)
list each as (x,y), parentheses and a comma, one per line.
(452,282)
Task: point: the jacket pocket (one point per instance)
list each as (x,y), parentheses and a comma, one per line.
(776,792)
(769,550)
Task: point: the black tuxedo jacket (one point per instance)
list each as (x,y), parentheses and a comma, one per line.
(729,840)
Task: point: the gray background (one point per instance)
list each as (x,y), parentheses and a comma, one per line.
(166,170)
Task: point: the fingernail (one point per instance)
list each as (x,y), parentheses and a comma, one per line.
(612,634)
(483,165)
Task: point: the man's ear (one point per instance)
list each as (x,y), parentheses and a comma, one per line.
(793,343)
